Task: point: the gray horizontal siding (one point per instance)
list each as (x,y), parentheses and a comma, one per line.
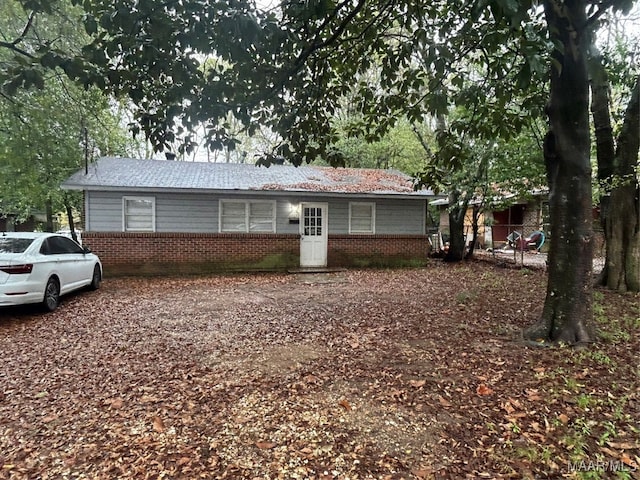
(103,212)
(186,213)
(400,216)
(195,213)
(198,213)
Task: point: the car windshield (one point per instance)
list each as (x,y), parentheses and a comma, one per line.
(14,245)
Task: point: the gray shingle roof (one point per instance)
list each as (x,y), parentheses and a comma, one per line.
(109,173)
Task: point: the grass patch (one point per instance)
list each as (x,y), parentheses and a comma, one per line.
(467,296)
(610,329)
(387,262)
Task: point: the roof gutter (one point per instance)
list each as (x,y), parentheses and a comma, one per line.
(280,193)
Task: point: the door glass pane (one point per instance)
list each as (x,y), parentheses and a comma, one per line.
(68,246)
(312,221)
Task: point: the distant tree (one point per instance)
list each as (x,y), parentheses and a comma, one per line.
(480,171)
(398,149)
(45,136)
(617,145)
(48,133)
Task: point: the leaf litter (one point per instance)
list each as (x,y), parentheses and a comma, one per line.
(362,374)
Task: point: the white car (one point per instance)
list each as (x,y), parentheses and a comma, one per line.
(40,267)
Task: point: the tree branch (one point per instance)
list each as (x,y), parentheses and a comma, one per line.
(12,46)
(317,45)
(26,29)
(604,7)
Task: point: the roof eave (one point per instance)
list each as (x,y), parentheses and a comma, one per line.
(311,193)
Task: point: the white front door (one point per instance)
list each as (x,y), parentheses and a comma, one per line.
(313,235)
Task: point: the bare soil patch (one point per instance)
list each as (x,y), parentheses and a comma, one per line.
(386,374)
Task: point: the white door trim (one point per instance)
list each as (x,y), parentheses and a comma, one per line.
(313,234)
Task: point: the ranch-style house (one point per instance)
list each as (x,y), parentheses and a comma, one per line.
(162,216)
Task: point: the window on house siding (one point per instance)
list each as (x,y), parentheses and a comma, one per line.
(261,217)
(233,217)
(139,214)
(362,217)
(246,216)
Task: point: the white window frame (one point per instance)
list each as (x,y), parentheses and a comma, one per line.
(373,218)
(247,218)
(124,213)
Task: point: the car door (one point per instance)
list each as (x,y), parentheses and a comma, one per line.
(70,262)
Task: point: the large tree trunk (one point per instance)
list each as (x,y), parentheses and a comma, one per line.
(457,211)
(567,313)
(72,226)
(600,110)
(619,207)
(605,144)
(622,223)
(475,229)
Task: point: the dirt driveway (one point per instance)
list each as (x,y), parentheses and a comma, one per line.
(356,374)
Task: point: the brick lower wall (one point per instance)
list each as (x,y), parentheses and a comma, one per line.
(376,250)
(167,253)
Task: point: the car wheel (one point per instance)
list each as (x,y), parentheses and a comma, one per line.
(51,295)
(96,278)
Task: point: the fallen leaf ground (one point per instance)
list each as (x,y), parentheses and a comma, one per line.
(368,374)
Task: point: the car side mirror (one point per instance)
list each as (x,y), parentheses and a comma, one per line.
(86,249)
